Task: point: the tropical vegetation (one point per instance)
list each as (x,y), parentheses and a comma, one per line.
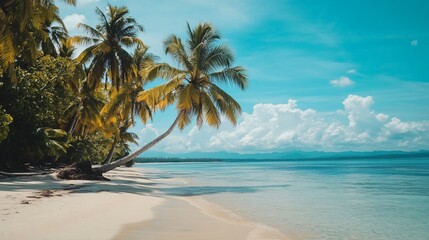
(58,107)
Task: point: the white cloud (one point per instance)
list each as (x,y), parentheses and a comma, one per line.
(71,21)
(85,2)
(284,127)
(351,71)
(342,82)
(414,43)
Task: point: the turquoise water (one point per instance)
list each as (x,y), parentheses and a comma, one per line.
(329,199)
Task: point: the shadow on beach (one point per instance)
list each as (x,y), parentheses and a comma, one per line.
(123,181)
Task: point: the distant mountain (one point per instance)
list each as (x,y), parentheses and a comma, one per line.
(288,155)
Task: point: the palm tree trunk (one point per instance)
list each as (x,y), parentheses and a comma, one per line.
(73,125)
(112,150)
(110,166)
(75,119)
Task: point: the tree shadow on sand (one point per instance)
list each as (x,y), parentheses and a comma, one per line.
(124,182)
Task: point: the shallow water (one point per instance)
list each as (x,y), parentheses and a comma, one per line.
(325,199)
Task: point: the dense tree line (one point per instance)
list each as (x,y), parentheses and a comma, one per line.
(58,107)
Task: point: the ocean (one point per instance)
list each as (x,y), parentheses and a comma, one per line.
(371,199)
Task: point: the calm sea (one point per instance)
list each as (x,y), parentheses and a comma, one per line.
(374,199)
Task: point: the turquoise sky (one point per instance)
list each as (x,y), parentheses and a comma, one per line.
(324,75)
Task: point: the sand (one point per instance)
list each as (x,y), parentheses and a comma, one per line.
(194,218)
(130,206)
(74,209)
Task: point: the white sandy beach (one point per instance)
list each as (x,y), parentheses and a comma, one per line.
(75,209)
(43,207)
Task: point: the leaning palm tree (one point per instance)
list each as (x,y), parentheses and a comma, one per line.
(107,56)
(202,63)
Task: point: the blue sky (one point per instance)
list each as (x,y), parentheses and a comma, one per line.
(324,75)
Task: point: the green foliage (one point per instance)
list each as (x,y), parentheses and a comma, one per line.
(27,26)
(45,90)
(94,148)
(38,100)
(5,120)
(55,141)
(122,149)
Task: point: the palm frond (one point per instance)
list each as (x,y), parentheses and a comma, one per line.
(174,47)
(234,75)
(225,103)
(160,70)
(210,111)
(218,57)
(184,119)
(90,30)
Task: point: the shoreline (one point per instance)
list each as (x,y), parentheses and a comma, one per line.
(190,218)
(257,230)
(130,206)
(203,219)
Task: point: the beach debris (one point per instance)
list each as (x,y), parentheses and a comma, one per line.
(37,197)
(25,202)
(47,193)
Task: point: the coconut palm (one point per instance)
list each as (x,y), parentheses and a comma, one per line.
(54,141)
(83,115)
(107,56)
(65,49)
(24,26)
(123,105)
(202,63)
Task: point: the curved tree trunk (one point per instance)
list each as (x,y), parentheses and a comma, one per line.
(110,166)
(112,150)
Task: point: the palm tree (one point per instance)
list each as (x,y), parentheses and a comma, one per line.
(54,141)
(83,115)
(66,50)
(123,105)
(107,54)
(120,133)
(202,64)
(24,26)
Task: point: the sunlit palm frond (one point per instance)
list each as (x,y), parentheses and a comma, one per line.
(184,119)
(210,110)
(160,70)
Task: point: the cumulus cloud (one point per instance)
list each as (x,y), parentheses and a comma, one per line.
(284,127)
(342,82)
(71,21)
